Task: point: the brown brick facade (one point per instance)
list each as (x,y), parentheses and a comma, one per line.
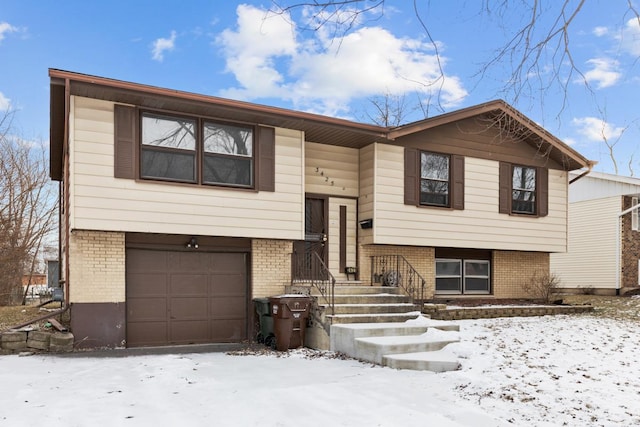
(510,269)
(630,249)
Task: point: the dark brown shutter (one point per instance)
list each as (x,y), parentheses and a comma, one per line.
(411,177)
(505,194)
(125,141)
(542,187)
(343,237)
(267,159)
(457,174)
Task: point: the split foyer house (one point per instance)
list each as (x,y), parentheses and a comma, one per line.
(603,254)
(177,209)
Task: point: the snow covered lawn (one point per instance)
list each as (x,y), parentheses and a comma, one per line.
(537,371)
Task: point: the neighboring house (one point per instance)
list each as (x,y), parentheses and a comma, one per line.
(177,209)
(603,254)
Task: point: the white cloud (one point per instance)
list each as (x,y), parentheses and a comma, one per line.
(5,103)
(629,38)
(594,129)
(162,45)
(600,31)
(6,28)
(604,72)
(268,59)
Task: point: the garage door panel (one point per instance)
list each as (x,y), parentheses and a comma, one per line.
(147,333)
(229,284)
(231,330)
(190,261)
(176,297)
(148,284)
(225,263)
(143,260)
(145,309)
(190,332)
(228,308)
(188,284)
(189,308)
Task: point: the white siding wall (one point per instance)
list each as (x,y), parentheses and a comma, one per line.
(591,257)
(101,202)
(334,234)
(479,225)
(331,170)
(367,195)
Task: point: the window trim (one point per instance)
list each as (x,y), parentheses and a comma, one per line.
(634,214)
(412,179)
(534,204)
(128,146)
(200,154)
(462,289)
(505,197)
(448,180)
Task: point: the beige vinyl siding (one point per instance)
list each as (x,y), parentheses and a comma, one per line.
(101,202)
(334,234)
(331,170)
(367,196)
(479,225)
(590,260)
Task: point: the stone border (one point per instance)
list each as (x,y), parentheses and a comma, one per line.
(39,341)
(442,312)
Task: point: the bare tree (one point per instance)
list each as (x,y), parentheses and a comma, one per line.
(27,209)
(537,51)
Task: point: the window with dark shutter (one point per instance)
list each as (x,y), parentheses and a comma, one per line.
(167,147)
(523,190)
(411,176)
(125,141)
(266,159)
(433,179)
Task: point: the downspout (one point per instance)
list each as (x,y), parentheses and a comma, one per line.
(67,186)
(619,245)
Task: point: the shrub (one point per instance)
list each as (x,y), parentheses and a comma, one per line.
(542,285)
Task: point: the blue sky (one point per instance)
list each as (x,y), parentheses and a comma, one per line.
(237,50)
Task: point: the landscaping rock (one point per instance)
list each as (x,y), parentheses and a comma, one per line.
(38,340)
(61,342)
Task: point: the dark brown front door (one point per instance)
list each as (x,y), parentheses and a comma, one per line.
(178,297)
(315,237)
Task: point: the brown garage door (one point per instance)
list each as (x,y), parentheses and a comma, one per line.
(185,297)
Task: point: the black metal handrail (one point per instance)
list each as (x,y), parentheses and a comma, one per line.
(395,270)
(310,268)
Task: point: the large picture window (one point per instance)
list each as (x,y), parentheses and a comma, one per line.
(462,276)
(434,179)
(194,150)
(168,148)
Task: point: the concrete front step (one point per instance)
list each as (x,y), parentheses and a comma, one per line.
(371,318)
(373,308)
(373,349)
(435,361)
(371,299)
(360,290)
(413,344)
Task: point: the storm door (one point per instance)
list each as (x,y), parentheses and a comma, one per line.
(315,241)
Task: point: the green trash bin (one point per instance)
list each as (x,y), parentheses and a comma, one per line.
(266,334)
(290,314)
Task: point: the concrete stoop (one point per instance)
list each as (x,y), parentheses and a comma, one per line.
(418,345)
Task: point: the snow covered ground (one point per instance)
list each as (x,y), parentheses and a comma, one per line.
(538,371)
